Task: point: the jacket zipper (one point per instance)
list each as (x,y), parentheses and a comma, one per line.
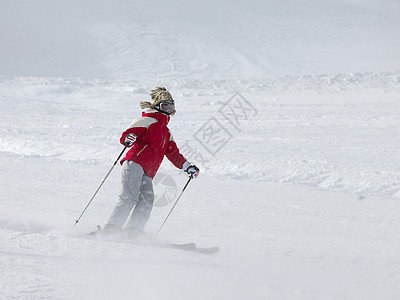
(142,150)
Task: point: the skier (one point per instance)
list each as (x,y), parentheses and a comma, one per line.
(150,140)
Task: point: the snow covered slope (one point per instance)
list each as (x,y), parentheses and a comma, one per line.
(332,132)
(300,199)
(139,40)
(300,189)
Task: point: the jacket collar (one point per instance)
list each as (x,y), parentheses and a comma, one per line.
(160,117)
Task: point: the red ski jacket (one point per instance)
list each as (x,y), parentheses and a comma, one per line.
(153,141)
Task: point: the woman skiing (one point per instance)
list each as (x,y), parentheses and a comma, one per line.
(150,140)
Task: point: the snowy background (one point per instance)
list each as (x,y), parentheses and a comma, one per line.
(300,188)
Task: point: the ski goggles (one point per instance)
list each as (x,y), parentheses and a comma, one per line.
(167,107)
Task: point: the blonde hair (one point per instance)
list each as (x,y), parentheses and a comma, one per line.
(159,94)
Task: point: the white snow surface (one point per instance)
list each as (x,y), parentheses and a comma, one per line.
(197,39)
(301,194)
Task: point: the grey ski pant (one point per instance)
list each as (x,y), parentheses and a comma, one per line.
(137,194)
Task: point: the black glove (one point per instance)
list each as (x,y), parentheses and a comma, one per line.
(192,170)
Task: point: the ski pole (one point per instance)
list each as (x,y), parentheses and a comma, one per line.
(101,184)
(184,188)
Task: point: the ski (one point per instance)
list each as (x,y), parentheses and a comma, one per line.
(142,239)
(194,248)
